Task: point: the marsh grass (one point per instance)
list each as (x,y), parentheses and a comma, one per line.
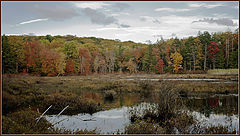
(204,129)
(76,103)
(168,115)
(18,94)
(144,127)
(40,92)
(163,116)
(27,90)
(223,72)
(111,82)
(24,121)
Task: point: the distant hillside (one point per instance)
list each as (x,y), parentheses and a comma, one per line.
(55,55)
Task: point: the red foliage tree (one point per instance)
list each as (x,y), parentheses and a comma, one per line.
(69,66)
(159,66)
(213,50)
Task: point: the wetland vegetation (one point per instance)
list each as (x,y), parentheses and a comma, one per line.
(93,99)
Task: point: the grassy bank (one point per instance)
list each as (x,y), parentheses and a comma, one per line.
(223,72)
(124,82)
(21,93)
(41,92)
(24,122)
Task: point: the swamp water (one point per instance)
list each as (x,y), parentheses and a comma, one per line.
(211,110)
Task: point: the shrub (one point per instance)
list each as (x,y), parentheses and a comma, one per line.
(166,112)
(24,121)
(200,129)
(110,95)
(218,130)
(76,104)
(144,127)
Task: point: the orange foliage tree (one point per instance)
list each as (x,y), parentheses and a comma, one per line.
(32,55)
(85,60)
(52,62)
(69,66)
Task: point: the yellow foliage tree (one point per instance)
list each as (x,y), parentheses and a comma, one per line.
(176,58)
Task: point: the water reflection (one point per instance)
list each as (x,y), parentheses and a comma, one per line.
(106,122)
(209,110)
(230,121)
(218,104)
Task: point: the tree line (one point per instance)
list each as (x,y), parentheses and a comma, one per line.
(70,55)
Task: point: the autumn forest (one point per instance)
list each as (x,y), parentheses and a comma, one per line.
(70,55)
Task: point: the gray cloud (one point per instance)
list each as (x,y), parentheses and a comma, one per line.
(98,17)
(174,35)
(220,21)
(156,21)
(121,6)
(158,35)
(102,19)
(123,25)
(31,34)
(148,18)
(54,12)
(143,19)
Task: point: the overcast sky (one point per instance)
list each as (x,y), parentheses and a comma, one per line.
(125,20)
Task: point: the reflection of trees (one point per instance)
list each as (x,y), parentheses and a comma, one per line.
(227,105)
(121,99)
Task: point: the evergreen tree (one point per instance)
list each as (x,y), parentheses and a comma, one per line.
(205,39)
(8,57)
(148,59)
(220,60)
(233,59)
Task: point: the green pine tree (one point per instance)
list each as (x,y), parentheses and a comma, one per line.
(8,57)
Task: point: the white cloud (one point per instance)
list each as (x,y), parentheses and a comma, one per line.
(198,5)
(212,6)
(204,26)
(32,21)
(92,5)
(195,5)
(172,9)
(235,21)
(120,14)
(140,32)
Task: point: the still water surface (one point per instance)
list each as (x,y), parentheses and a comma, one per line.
(209,110)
